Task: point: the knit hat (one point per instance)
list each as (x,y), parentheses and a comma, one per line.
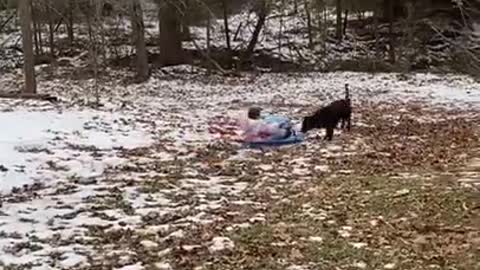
(254,112)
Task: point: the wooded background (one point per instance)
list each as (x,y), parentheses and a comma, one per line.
(230,35)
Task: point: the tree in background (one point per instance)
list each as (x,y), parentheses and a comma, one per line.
(170,16)
(393,32)
(262,11)
(25,10)
(338,9)
(390,11)
(138,37)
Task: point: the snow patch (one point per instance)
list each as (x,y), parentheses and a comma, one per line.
(137,266)
(36,147)
(163,266)
(221,243)
(315,239)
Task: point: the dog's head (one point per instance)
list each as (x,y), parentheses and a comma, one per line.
(308,124)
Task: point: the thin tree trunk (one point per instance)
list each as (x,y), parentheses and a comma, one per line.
(138,35)
(97,15)
(377,38)
(25,8)
(40,36)
(325,30)
(4,23)
(226,24)
(345,23)
(70,22)
(339,20)
(410,18)
(391,49)
(262,16)
(280,32)
(410,28)
(209,25)
(51,29)
(90,35)
(99,28)
(93,51)
(235,36)
(35,37)
(57,26)
(309,24)
(319,23)
(35,30)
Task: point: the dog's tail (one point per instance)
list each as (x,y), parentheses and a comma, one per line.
(347,93)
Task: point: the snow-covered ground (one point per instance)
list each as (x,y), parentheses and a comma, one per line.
(137,182)
(39,146)
(140,181)
(76,180)
(45,149)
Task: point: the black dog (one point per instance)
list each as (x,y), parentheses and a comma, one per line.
(329,116)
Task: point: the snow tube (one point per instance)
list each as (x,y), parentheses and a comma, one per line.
(295,137)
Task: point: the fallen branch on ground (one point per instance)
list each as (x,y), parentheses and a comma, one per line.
(44,97)
(210,59)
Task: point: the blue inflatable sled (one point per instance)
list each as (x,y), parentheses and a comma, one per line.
(295,137)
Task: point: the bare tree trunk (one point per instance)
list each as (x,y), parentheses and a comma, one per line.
(410,31)
(93,51)
(100,7)
(6,21)
(319,15)
(70,22)
(391,39)
(309,24)
(345,23)
(325,30)
(97,5)
(262,16)
(235,36)
(339,20)
(35,30)
(171,52)
(91,37)
(25,8)
(280,31)
(138,35)
(377,38)
(209,25)
(226,25)
(40,36)
(51,37)
(295,6)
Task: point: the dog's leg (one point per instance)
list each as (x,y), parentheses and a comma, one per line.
(349,122)
(343,123)
(329,133)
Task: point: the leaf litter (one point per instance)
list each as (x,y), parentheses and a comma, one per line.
(384,195)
